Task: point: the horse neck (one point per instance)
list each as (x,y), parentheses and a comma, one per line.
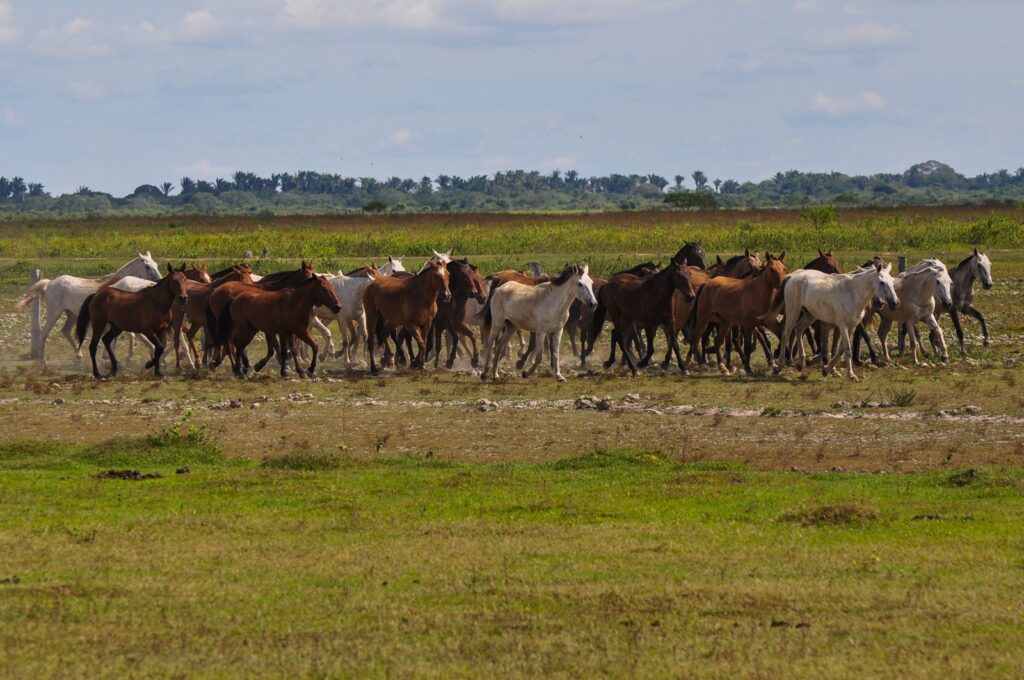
(160,291)
(660,285)
(863,285)
(965,274)
(301,298)
(424,287)
(562,295)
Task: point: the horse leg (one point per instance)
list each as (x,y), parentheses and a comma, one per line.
(954,316)
(747,338)
(159,340)
(650,331)
(844,335)
(883,333)
(762,338)
(627,354)
(973,311)
(615,342)
(912,336)
(672,338)
(325,333)
(66,331)
(556,340)
(531,347)
(936,334)
(540,339)
(93,344)
(305,337)
(273,346)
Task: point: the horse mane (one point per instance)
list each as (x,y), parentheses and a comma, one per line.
(736,258)
(963,263)
(566,274)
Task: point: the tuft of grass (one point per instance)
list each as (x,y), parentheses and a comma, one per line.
(903,398)
(962,478)
(839,515)
(603,458)
(306,461)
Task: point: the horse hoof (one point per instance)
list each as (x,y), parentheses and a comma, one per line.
(608,364)
(561,378)
(986,343)
(723,370)
(526,374)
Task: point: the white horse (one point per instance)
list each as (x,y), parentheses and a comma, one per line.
(440,258)
(918,289)
(351,317)
(542,309)
(392,266)
(66,294)
(839,300)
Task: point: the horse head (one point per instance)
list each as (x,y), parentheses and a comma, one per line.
(885,285)
(774,268)
(943,287)
(584,290)
(323,294)
(983,269)
(150,269)
(825,262)
(176,279)
(692,253)
(439,272)
(681,280)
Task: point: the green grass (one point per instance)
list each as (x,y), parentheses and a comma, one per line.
(619,562)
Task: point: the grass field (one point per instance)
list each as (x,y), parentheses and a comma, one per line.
(670,526)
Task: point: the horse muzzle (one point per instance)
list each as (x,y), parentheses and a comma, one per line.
(894,304)
(986,286)
(335,309)
(183,299)
(592,305)
(877,304)
(446,296)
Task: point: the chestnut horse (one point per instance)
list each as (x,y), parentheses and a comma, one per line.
(283,313)
(195,309)
(147,311)
(223,294)
(409,304)
(644,302)
(739,303)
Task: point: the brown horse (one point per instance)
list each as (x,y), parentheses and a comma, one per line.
(738,303)
(736,266)
(223,294)
(826,263)
(645,302)
(464,282)
(195,308)
(282,313)
(147,311)
(406,304)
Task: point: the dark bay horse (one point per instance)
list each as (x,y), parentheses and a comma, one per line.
(283,314)
(464,282)
(630,300)
(406,304)
(147,311)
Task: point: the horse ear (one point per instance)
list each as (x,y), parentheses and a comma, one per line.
(746,252)
(820,254)
(768,257)
(830,252)
(976,252)
(782,257)
(718,259)
(170,268)
(586,269)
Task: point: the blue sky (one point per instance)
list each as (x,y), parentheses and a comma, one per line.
(113,93)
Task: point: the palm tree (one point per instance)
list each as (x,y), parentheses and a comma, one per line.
(679,181)
(35,189)
(700,180)
(166,188)
(188,185)
(717,184)
(18,188)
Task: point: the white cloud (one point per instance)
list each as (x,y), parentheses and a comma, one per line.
(77,38)
(575,11)
(194,26)
(852,9)
(204,169)
(859,37)
(9,33)
(319,14)
(865,102)
(87,90)
(805,6)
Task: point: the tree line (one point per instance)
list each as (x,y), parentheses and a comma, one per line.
(931,182)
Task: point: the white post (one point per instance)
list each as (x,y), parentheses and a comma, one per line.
(33,310)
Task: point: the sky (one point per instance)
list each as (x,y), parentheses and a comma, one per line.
(115,93)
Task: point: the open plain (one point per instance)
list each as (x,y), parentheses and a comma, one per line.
(425,522)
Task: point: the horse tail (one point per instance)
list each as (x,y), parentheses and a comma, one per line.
(597,321)
(36,290)
(777,306)
(690,325)
(488,317)
(221,325)
(83,320)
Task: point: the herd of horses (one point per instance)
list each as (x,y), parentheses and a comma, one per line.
(733,305)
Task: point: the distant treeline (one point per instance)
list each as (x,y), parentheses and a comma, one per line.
(309,192)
